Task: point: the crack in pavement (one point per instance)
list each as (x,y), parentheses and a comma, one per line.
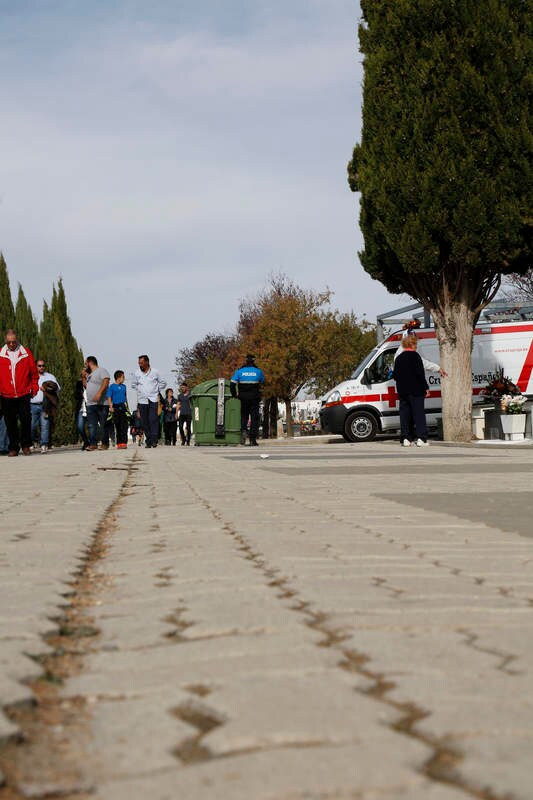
(442,766)
(205,719)
(46,758)
(505,658)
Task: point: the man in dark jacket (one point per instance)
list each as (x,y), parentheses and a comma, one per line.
(246,384)
(412,388)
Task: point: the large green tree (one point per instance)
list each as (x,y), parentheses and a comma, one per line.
(69,359)
(7,311)
(52,340)
(444,163)
(25,322)
(63,358)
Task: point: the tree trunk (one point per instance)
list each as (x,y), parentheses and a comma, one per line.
(273,418)
(270,418)
(455,325)
(288,418)
(266,418)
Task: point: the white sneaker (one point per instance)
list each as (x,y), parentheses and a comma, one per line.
(44,448)
(406,443)
(421,443)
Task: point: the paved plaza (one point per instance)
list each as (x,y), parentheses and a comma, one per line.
(300,621)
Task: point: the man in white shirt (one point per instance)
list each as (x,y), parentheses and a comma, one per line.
(39,417)
(148,384)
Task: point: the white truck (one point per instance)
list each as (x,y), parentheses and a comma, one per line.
(367,404)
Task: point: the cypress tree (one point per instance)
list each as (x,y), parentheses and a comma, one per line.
(65,429)
(7,312)
(46,341)
(67,360)
(52,340)
(444,164)
(60,311)
(25,323)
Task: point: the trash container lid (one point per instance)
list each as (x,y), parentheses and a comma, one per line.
(210,388)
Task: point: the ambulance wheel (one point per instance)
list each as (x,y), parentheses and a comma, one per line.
(361,426)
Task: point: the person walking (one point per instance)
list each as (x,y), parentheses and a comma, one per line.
(136,428)
(97,406)
(148,384)
(170,422)
(118,408)
(412,388)
(246,383)
(19,382)
(184,411)
(80,412)
(40,418)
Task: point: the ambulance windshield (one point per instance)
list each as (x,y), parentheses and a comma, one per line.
(364,363)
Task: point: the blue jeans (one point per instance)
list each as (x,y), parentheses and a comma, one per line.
(39,421)
(4,441)
(96,418)
(80,424)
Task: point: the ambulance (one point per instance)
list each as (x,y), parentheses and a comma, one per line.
(367,404)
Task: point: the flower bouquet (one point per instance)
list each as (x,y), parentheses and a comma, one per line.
(512,404)
(500,386)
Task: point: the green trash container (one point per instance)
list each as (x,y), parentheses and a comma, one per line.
(216,415)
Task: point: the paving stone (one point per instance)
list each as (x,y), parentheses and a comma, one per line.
(276,711)
(132,737)
(311,772)
(214,660)
(500,761)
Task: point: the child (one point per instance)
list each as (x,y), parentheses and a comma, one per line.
(118,407)
(136,428)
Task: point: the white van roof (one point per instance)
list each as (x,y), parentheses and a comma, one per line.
(497,311)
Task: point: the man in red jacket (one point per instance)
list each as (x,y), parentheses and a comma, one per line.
(19,382)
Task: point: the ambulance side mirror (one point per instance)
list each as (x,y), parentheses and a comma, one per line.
(367,380)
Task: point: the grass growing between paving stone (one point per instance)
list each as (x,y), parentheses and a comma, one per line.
(48,758)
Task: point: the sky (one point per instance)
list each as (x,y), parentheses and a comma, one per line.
(166,158)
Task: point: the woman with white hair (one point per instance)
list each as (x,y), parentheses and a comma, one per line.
(412,388)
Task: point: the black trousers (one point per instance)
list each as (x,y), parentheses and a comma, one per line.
(185,420)
(170,427)
(250,409)
(120,421)
(150,422)
(412,414)
(17,409)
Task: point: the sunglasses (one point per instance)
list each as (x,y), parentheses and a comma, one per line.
(40,365)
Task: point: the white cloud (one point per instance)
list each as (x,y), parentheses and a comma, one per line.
(197,66)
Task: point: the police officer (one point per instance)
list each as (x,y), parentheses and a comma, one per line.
(246,385)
